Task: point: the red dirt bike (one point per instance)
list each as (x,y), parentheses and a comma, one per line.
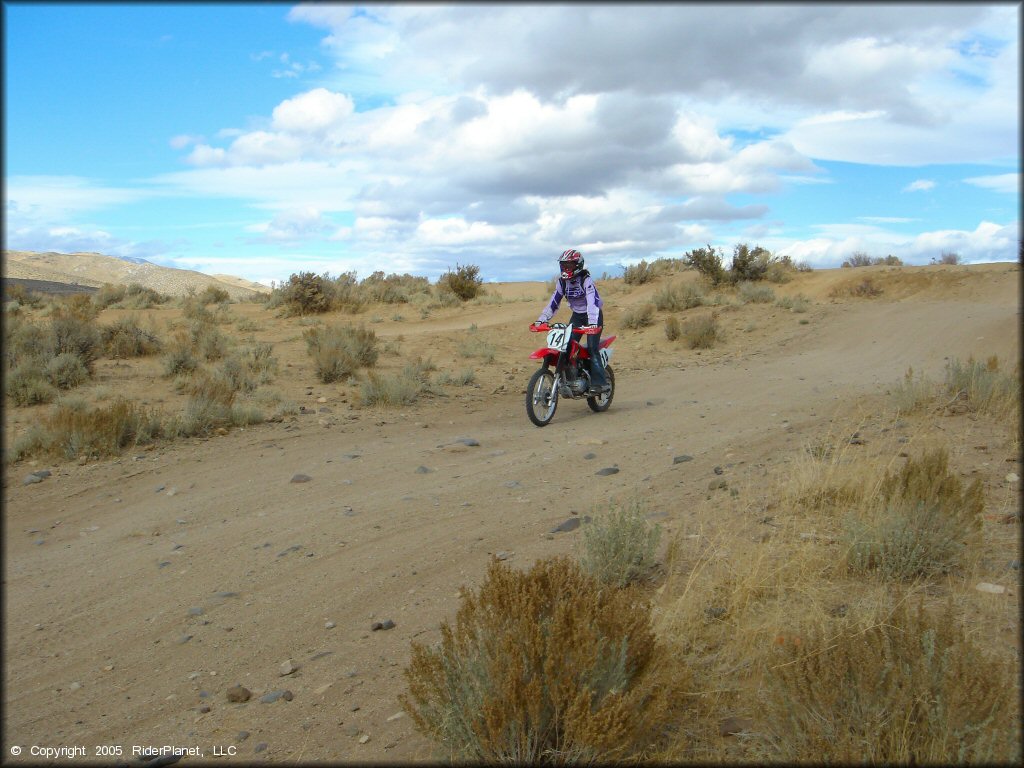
(565,372)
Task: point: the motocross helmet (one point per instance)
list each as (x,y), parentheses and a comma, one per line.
(570,263)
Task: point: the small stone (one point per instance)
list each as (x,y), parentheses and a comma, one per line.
(396,716)
(242,736)
(715,485)
(182,639)
(503,555)
(569,525)
(321,399)
(288,668)
(32,480)
(261,747)
(44,473)
(471,442)
(1013,477)
(330,625)
(421,470)
(382,625)
(270,698)
(607,471)
(364,738)
(992,589)
(300,478)
(196,611)
(682,459)
(238,694)
(172,492)
(719,471)
(589,456)
(204,709)
(74,686)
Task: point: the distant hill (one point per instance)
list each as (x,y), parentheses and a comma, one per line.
(95,269)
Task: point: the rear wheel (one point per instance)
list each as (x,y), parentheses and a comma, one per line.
(541,397)
(600,404)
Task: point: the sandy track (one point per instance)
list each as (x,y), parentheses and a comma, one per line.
(104,601)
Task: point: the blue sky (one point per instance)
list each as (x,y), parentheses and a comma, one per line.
(264,139)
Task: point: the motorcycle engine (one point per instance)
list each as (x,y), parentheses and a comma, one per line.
(581,383)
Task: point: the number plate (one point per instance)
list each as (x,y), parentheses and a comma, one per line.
(558,338)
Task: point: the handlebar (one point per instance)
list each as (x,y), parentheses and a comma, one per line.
(587,330)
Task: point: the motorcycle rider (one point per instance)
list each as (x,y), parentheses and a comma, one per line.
(576,285)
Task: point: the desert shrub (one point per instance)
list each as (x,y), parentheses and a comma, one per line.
(209,404)
(25,340)
(27,384)
(638,274)
(71,332)
(780,269)
(66,371)
(179,357)
(542,667)
(638,317)
(673,328)
(858,259)
(393,390)
(618,545)
(798,303)
(213,294)
(913,689)
(464,281)
(984,386)
(304,294)
(752,293)
(138,296)
(675,298)
(749,265)
(702,332)
(260,361)
(394,289)
(912,393)
(947,257)
(338,350)
(125,338)
(919,522)
(108,294)
(891,261)
(72,431)
(208,341)
(708,262)
(461,379)
(475,346)
(865,288)
(79,305)
(22,295)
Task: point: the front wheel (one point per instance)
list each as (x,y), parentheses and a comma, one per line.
(600,404)
(541,397)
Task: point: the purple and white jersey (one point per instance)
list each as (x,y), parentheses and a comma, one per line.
(582,295)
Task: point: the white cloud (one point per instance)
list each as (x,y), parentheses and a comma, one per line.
(921,185)
(1004,183)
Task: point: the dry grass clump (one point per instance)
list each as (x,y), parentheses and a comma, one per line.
(673,328)
(752,293)
(862,289)
(798,304)
(543,667)
(396,389)
(910,689)
(702,332)
(984,386)
(675,298)
(618,545)
(918,523)
(74,430)
(339,350)
(912,393)
(638,274)
(476,346)
(638,317)
(125,338)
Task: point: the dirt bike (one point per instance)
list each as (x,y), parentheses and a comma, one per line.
(565,372)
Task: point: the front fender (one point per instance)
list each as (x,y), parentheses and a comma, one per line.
(547,354)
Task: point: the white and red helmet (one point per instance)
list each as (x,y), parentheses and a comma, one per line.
(570,263)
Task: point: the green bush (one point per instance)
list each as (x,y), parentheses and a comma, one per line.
(749,265)
(27,384)
(393,390)
(72,332)
(180,357)
(543,667)
(708,262)
(619,546)
(464,281)
(304,294)
(913,689)
(919,523)
(638,274)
